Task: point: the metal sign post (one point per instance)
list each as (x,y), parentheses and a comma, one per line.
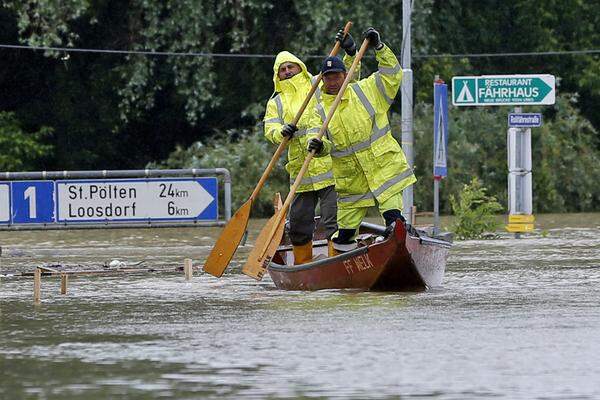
(520,196)
(407,101)
(440,145)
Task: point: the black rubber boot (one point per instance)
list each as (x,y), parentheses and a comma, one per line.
(390,216)
(344,236)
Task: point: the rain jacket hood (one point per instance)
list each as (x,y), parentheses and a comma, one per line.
(286,56)
(282,108)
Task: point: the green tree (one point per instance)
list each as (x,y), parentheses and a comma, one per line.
(566,160)
(21,150)
(203,83)
(117,111)
(492,26)
(564,155)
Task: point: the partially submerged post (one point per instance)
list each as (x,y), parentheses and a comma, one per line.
(37,286)
(64,281)
(187,268)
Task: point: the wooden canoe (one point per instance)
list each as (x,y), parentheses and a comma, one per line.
(400,262)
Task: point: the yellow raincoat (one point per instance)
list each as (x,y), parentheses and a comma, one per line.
(282,108)
(368,163)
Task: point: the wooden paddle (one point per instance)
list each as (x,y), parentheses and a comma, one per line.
(270,236)
(231,236)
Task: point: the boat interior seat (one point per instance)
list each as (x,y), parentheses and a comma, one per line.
(316,243)
(366,239)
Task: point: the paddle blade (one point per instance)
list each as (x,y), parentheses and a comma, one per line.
(221,254)
(264,249)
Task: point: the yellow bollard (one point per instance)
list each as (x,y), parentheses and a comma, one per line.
(37,286)
(187,268)
(64,281)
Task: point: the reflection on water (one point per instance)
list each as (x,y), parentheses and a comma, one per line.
(515,319)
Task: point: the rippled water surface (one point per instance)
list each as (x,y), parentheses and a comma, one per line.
(516,319)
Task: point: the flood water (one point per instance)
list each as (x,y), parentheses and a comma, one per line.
(515,319)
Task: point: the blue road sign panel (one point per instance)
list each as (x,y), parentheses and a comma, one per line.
(120,200)
(32,202)
(440,129)
(524,120)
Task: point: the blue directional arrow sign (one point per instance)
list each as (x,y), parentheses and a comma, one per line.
(440,129)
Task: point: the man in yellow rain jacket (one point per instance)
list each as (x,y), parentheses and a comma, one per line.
(292,83)
(369,165)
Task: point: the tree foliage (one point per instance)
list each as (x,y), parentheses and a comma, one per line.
(564,155)
(491,26)
(20,150)
(202,83)
(123,111)
(246,155)
(562,148)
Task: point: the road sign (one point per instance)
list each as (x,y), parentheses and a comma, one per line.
(520,223)
(137,200)
(503,90)
(4,203)
(440,129)
(524,120)
(32,202)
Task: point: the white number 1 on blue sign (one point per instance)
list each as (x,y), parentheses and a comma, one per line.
(30,195)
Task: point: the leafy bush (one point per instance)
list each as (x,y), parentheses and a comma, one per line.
(246,155)
(474,211)
(565,161)
(565,158)
(20,150)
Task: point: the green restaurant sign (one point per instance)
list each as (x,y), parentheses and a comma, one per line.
(503,90)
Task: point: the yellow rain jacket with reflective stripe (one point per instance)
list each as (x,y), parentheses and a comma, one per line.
(368,163)
(282,108)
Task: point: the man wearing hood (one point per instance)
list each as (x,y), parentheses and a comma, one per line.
(292,83)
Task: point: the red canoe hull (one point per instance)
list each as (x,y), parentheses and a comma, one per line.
(399,263)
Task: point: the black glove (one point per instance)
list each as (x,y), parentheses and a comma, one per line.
(346,42)
(288,130)
(374,38)
(315,145)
